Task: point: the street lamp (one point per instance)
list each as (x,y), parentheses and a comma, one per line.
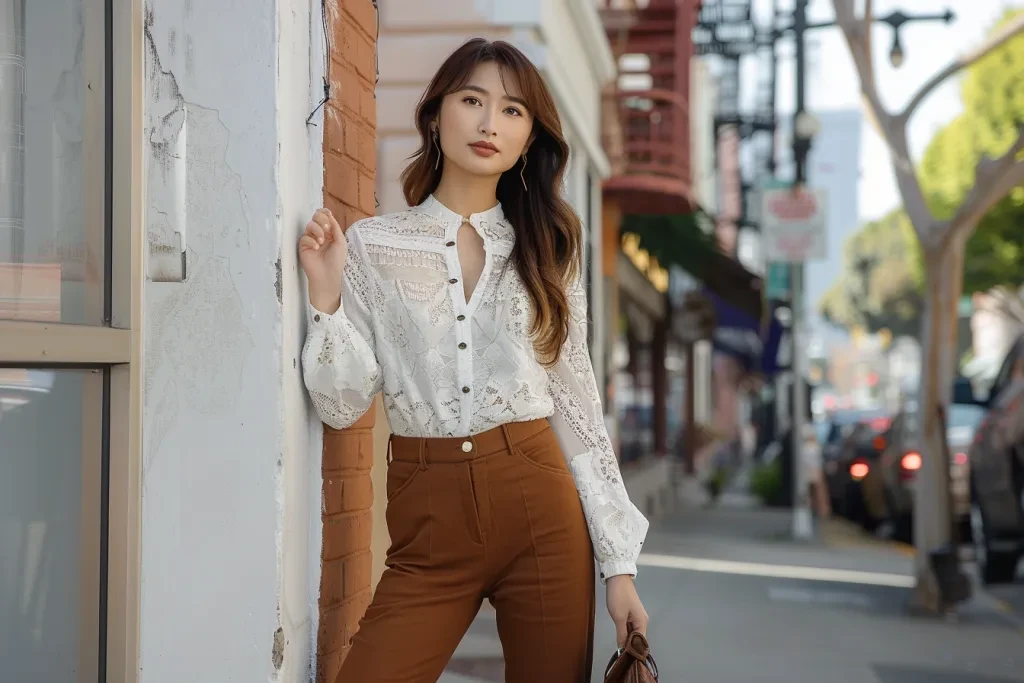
(896,19)
(896,53)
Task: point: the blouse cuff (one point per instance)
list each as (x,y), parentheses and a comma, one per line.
(615,568)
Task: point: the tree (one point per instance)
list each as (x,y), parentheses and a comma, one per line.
(943,236)
(993,96)
(881,286)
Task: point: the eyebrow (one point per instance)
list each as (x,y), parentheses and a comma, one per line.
(484,91)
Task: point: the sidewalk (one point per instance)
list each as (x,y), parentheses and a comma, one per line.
(733,599)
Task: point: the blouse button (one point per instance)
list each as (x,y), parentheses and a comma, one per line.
(460,317)
(450,244)
(462,345)
(316,318)
(465,390)
(453,280)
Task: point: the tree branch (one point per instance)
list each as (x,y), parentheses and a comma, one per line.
(858,38)
(993,180)
(1012,28)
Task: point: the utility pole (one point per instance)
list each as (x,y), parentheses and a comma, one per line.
(802,522)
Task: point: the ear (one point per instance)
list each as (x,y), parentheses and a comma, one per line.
(529,143)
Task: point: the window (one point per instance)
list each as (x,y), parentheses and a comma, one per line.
(70,291)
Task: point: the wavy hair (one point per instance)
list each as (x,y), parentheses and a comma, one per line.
(548,231)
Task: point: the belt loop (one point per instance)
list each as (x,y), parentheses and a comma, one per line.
(423,454)
(508,437)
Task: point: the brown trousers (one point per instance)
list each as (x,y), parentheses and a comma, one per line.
(495,516)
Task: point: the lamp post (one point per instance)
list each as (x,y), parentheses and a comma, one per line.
(805,128)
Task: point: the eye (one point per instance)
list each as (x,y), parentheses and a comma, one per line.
(471,100)
(513,111)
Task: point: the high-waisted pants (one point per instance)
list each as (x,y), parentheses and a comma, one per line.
(497,516)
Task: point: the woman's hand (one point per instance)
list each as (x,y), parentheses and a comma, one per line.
(625,607)
(322,253)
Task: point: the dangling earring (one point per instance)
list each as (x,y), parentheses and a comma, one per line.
(522,171)
(438,146)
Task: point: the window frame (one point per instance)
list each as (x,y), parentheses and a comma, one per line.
(111,478)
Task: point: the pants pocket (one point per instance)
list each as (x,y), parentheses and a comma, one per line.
(541,451)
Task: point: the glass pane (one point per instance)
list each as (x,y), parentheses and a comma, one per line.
(50,441)
(52,161)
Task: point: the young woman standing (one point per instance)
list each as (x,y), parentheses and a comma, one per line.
(467,311)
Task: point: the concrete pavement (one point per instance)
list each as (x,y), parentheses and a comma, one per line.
(733,600)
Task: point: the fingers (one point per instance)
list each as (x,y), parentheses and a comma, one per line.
(639,621)
(315,231)
(621,631)
(328,225)
(308,243)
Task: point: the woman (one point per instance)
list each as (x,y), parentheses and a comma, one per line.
(468,312)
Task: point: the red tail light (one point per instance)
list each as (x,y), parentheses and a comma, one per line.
(879,443)
(960,459)
(859,469)
(911,461)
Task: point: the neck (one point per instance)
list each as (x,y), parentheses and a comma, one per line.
(465,193)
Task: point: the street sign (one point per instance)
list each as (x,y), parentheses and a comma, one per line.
(794,224)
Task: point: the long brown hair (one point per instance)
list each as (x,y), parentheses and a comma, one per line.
(548,232)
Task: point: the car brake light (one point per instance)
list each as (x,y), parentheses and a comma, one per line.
(960,459)
(859,469)
(911,461)
(879,443)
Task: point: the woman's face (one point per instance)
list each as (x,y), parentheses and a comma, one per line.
(485,128)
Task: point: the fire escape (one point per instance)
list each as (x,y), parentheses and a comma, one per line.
(727,30)
(646,122)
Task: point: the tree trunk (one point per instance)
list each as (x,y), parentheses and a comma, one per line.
(944,268)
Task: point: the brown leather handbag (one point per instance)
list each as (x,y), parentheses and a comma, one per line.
(633,663)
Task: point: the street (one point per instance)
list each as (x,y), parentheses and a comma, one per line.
(732,599)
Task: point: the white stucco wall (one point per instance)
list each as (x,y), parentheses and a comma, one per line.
(230,532)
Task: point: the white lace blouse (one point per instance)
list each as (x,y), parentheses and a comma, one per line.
(449,367)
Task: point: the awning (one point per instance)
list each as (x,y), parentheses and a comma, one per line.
(678,240)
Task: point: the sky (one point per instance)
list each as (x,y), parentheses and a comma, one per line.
(927,46)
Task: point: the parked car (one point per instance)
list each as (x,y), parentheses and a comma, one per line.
(902,460)
(996,459)
(850,454)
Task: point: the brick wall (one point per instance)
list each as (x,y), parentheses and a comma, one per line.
(350,164)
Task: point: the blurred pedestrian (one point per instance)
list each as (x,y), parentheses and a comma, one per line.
(814,472)
(468,312)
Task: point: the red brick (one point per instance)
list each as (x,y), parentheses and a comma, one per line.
(357,574)
(347,534)
(346,89)
(349,171)
(337,208)
(341,177)
(328,665)
(333,632)
(365,58)
(334,130)
(364,14)
(368,106)
(346,493)
(367,198)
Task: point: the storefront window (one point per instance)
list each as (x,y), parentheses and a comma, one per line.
(51,436)
(52,161)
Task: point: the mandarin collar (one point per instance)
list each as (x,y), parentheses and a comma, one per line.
(432,206)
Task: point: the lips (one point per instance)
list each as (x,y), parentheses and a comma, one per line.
(484,146)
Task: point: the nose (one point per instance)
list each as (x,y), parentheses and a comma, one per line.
(487,123)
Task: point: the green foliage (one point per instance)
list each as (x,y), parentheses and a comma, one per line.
(766,482)
(993,97)
(882,281)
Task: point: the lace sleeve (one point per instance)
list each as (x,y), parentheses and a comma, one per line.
(617,527)
(339,363)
